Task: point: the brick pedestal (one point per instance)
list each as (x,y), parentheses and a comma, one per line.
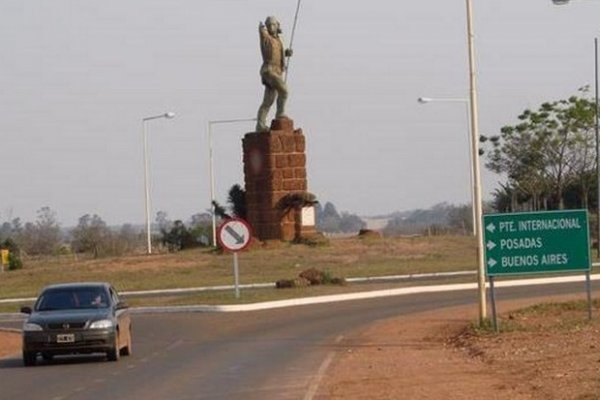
(275,166)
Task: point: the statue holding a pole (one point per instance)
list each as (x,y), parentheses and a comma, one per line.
(271,71)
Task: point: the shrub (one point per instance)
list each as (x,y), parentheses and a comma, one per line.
(313,275)
(14,262)
(310,277)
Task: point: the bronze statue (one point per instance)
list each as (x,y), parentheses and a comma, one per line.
(271,72)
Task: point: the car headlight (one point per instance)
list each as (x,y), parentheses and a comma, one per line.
(31,327)
(101,324)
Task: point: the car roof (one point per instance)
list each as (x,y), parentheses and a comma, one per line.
(75,285)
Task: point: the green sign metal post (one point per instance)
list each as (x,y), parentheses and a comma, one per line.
(538,242)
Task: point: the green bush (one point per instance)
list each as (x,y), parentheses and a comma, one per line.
(14,262)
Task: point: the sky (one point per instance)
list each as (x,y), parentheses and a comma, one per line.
(77,77)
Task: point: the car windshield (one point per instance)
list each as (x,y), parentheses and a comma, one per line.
(72,298)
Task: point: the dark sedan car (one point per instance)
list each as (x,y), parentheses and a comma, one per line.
(77,318)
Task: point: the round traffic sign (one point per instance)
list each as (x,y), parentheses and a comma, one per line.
(234,234)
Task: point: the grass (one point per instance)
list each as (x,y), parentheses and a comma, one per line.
(248,296)
(201,267)
(542,317)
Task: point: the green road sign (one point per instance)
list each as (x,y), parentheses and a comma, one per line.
(537,242)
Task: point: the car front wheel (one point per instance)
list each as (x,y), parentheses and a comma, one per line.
(114,353)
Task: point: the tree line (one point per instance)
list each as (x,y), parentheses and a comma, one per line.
(547,160)
(92,236)
(440,219)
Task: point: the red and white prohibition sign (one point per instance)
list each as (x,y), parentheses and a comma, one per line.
(234,234)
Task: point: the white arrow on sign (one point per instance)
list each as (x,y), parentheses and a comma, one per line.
(490,245)
(492,262)
(491,228)
(239,238)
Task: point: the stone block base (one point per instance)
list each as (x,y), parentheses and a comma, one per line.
(274,167)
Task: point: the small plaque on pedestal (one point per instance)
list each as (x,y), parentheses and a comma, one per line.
(308,216)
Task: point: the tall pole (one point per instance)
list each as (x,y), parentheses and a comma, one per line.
(167,115)
(146,187)
(475,159)
(597,147)
(212,171)
(212,185)
(471,177)
(287,66)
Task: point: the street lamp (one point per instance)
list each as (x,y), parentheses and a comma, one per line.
(597,104)
(474,116)
(211,169)
(167,115)
(425,100)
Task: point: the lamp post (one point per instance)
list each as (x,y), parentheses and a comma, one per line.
(597,104)
(167,115)
(597,129)
(211,169)
(425,100)
(474,122)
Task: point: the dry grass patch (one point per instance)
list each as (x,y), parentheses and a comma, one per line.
(202,267)
(549,350)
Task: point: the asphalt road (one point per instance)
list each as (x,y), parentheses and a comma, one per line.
(272,354)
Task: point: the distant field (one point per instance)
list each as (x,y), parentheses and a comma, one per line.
(351,257)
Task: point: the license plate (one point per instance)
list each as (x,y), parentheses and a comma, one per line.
(65,338)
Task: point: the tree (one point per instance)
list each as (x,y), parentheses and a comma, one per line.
(547,150)
(43,236)
(200,227)
(11,230)
(461,218)
(329,220)
(237,201)
(128,239)
(220,211)
(178,237)
(442,218)
(91,235)
(351,223)
(163,221)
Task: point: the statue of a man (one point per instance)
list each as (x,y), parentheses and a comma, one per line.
(271,72)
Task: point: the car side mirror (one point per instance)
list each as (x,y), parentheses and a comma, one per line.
(26,310)
(122,305)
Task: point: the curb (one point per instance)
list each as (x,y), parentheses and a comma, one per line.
(355,296)
(10,330)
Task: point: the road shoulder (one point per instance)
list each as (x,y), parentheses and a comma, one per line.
(414,357)
(10,344)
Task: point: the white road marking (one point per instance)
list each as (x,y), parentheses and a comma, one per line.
(314,386)
(173,345)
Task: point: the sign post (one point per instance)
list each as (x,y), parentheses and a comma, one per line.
(537,242)
(234,235)
(4,259)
